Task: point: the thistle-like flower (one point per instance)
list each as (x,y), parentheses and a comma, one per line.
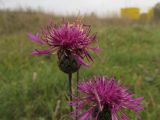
(71,41)
(104,99)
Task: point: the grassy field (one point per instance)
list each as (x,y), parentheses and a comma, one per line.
(32,87)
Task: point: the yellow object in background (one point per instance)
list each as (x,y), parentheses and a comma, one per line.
(131,13)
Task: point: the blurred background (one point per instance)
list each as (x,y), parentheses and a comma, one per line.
(33,88)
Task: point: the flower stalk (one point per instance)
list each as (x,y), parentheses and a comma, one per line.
(77,93)
(70,89)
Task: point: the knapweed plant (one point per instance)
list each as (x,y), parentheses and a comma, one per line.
(105,99)
(102,98)
(72,44)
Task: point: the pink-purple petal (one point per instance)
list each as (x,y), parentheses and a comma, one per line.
(40,52)
(35,38)
(95,49)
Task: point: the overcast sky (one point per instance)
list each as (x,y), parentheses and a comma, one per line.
(101,7)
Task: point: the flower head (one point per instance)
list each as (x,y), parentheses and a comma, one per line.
(105,99)
(70,39)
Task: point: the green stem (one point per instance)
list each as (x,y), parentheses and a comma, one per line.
(77,93)
(70,88)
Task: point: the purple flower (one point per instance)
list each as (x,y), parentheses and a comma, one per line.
(71,39)
(104,99)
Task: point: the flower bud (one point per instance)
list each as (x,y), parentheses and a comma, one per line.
(105,114)
(68,64)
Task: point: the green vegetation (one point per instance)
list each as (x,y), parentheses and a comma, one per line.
(32,87)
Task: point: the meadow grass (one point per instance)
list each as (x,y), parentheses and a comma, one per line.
(32,87)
